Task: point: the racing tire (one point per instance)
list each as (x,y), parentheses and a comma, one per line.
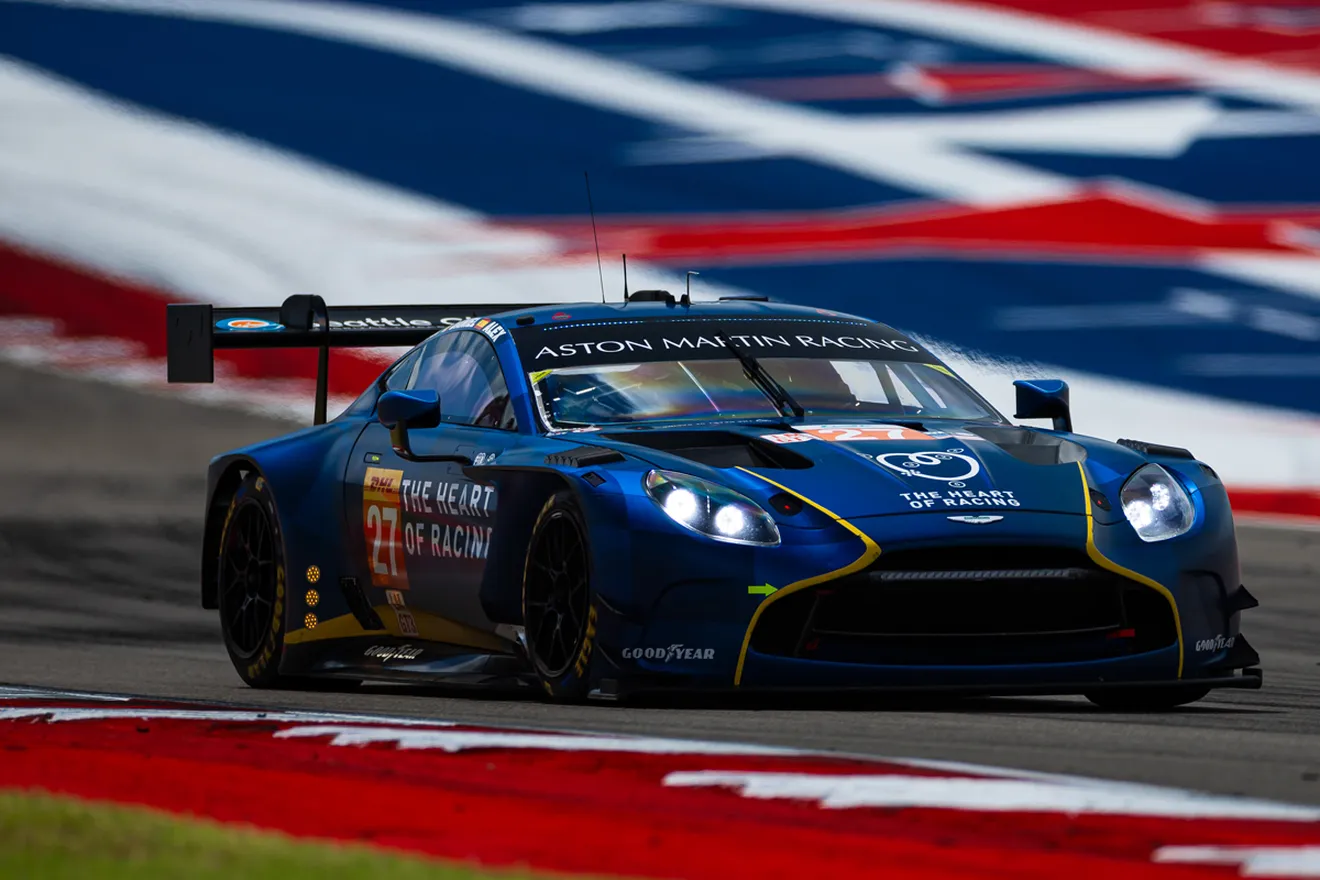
(251,584)
(559,609)
(1146,699)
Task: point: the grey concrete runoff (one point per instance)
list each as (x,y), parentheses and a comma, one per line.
(100,519)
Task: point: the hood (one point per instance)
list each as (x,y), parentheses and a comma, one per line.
(869,469)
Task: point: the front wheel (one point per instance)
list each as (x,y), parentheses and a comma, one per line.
(559,616)
(1146,699)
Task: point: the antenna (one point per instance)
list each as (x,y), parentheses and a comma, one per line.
(687,296)
(592,208)
(625,277)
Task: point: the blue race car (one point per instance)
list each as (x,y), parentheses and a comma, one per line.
(657,494)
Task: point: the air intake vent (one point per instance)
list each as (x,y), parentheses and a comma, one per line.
(359,605)
(998,606)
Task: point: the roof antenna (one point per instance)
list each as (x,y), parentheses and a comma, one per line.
(592,208)
(687,295)
(625,277)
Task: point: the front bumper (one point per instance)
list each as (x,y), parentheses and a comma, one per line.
(1182,591)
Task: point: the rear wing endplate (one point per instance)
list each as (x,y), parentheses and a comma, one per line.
(194,331)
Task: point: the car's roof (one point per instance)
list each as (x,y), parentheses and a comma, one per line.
(631,311)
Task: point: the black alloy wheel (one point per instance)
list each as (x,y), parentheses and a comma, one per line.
(558,618)
(250,584)
(248,579)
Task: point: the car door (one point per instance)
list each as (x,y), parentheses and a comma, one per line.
(425,528)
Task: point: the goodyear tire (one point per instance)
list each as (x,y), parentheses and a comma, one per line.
(252,584)
(1146,699)
(559,610)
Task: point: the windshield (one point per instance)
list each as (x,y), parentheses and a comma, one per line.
(609,394)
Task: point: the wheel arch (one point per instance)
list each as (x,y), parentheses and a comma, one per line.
(522,494)
(226,476)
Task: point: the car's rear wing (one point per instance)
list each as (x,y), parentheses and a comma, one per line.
(195,330)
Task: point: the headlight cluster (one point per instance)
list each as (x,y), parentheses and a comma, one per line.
(710,509)
(1156,504)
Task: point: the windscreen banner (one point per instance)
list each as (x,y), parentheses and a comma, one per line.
(556,346)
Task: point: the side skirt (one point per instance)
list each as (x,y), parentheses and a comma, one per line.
(388,658)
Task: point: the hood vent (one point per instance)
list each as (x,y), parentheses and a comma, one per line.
(1031,447)
(720,449)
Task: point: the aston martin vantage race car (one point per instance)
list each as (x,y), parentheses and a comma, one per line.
(598,500)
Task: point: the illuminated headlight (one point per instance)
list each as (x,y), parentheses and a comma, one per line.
(1156,504)
(711,509)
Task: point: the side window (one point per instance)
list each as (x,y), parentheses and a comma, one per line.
(393,379)
(400,377)
(462,368)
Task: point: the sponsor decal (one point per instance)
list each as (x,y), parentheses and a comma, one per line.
(395,323)
(950,466)
(975,520)
(669,654)
(850,433)
(492,329)
(538,375)
(760,590)
(394,598)
(1218,643)
(247,324)
(407,625)
(459,498)
(456,498)
(588,643)
(683,344)
(386,653)
(382,518)
(788,438)
(560,316)
(961,498)
(484,458)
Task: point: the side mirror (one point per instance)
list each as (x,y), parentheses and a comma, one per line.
(1044,399)
(401,410)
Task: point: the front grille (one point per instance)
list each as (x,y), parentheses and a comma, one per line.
(969,606)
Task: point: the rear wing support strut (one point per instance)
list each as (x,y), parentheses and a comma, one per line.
(194,331)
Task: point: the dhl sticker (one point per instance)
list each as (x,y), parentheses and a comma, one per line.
(382,526)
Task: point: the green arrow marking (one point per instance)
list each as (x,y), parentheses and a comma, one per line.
(763,590)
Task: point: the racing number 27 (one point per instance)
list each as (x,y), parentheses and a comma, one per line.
(376,521)
(380,521)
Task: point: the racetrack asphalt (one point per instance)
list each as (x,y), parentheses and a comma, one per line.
(100,523)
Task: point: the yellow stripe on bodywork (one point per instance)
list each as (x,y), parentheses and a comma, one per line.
(1105,562)
(869,555)
(430,628)
(343,626)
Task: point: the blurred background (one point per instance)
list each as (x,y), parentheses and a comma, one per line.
(1124,193)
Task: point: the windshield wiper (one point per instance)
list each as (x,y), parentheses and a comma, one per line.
(757,373)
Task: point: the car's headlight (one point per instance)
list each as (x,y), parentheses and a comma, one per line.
(1156,504)
(710,509)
